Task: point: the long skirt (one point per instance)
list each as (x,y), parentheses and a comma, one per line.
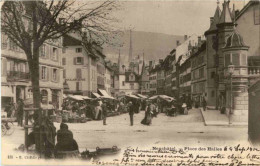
(147,119)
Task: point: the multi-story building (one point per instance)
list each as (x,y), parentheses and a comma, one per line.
(16,81)
(160,77)
(168,68)
(185,78)
(225,47)
(153,80)
(78,65)
(126,81)
(109,87)
(198,73)
(144,82)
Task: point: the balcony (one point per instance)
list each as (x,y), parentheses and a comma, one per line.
(253,70)
(17,76)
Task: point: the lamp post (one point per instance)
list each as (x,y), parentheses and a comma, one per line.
(231,69)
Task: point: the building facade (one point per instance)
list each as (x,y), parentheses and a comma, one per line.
(199,73)
(16,82)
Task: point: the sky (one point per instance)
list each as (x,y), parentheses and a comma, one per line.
(176,17)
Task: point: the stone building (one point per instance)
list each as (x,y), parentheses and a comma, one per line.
(199,73)
(16,83)
(225,46)
(79,67)
(144,79)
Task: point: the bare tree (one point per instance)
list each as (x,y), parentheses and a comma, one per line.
(30,23)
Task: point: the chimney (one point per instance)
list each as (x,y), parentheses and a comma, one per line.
(199,41)
(150,64)
(177,43)
(185,37)
(211,20)
(189,46)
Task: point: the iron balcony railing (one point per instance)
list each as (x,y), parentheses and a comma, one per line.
(17,75)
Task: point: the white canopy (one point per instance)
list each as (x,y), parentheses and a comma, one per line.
(153,97)
(76,97)
(165,97)
(105,94)
(141,96)
(133,96)
(107,97)
(96,94)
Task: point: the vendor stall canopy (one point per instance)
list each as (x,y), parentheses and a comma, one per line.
(133,96)
(164,97)
(141,96)
(105,94)
(79,97)
(96,95)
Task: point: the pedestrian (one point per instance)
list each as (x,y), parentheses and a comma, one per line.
(131,112)
(204,104)
(104,112)
(149,111)
(20,112)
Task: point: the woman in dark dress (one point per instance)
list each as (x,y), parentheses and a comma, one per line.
(148,115)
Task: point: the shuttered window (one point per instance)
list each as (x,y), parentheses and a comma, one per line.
(78,86)
(78,74)
(257,14)
(227,60)
(63,61)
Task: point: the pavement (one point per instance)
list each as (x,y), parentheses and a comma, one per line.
(213,117)
(183,130)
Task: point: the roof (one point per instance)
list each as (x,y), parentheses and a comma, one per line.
(71,41)
(235,41)
(215,21)
(253,60)
(244,9)
(226,14)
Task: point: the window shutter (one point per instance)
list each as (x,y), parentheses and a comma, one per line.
(80,85)
(64,73)
(48,70)
(51,74)
(74,61)
(47,51)
(63,61)
(4,67)
(40,74)
(51,52)
(82,60)
(58,75)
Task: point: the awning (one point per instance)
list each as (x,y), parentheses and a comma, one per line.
(104,93)
(107,97)
(86,97)
(6,91)
(154,97)
(165,97)
(133,96)
(96,95)
(141,96)
(75,97)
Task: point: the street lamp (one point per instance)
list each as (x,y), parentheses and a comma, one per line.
(231,69)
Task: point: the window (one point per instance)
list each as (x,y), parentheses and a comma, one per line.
(78,86)
(257,15)
(213,93)
(44,97)
(78,50)
(4,40)
(54,53)
(63,50)
(44,73)
(43,51)
(54,75)
(212,74)
(123,83)
(63,61)
(227,60)
(64,73)
(235,59)
(243,61)
(78,74)
(78,61)
(132,85)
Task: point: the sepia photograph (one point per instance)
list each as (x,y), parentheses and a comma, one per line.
(131,82)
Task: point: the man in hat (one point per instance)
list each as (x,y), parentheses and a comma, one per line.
(131,112)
